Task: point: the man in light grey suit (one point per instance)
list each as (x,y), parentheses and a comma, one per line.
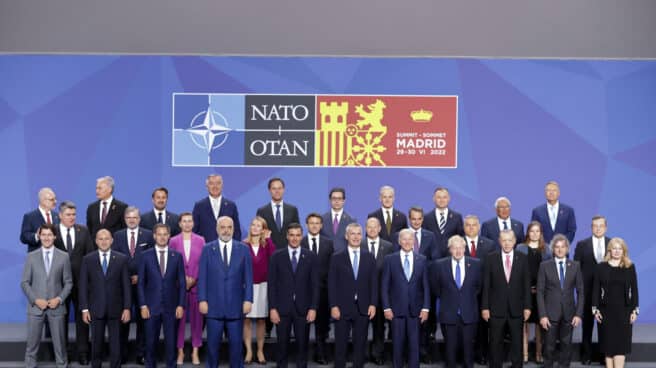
(559,279)
(47,281)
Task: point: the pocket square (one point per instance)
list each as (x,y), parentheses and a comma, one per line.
(143,244)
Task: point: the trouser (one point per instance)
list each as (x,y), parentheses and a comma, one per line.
(56,323)
(301,333)
(559,331)
(497,332)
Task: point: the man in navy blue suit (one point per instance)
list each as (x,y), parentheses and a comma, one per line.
(336,220)
(456,282)
(278,214)
(323,248)
(391,219)
(207,210)
(405,295)
(443,221)
(555,217)
(32,220)
(133,242)
(160,214)
(225,292)
(161,295)
(477,246)
(502,221)
(425,244)
(105,297)
(353,295)
(293,291)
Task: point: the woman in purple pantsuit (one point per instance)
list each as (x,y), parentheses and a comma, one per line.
(190,245)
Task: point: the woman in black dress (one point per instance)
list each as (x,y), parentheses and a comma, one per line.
(537,251)
(615,302)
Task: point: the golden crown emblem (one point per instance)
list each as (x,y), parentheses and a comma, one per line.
(421,116)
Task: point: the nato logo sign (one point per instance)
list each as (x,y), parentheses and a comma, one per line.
(314,130)
(243,130)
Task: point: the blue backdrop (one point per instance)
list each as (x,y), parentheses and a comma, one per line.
(66,120)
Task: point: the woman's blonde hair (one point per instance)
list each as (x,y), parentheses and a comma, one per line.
(624,261)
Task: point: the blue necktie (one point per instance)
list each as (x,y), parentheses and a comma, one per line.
(406,267)
(104,264)
(355,264)
(458,276)
(278,217)
(294,261)
(505,225)
(47,263)
(562,275)
(159,218)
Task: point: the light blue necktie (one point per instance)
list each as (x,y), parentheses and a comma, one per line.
(562,275)
(278,217)
(406,267)
(48,263)
(104,264)
(294,261)
(355,264)
(458,275)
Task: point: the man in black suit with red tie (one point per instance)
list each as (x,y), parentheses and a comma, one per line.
(506,299)
(391,219)
(379,248)
(590,252)
(278,214)
(105,295)
(443,221)
(323,248)
(107,212)
(293,291)
(75,240)
(477,246)
(353,295)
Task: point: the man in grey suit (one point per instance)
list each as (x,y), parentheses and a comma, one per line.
(558,280)
(47,281)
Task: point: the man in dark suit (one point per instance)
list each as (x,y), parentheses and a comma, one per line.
(555,217)
(444,222)
(323,248)
(502,221)
(46,283)
(391,219)
(506,299)
(353,295)
(207,210)
(225,292)
(405,295)
(278,214)
(105,297)
(75,240)
(424,243)
(456,282)
(159,214)
(133,242)
(107,212)
(336,220)
(161,295)
(590,252)
(560,301)
(379,248)
(44,214)
(478,247)
(293,291)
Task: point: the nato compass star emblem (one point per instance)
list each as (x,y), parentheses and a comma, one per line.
(209,130)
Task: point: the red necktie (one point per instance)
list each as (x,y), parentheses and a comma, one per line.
(48,221)
(472,252)
(103,216)
(508,266)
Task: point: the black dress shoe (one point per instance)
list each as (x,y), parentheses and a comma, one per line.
(481,361)
(586,362)
(378,361)
(426,359)
(141,360)
(320,360)
(83,360)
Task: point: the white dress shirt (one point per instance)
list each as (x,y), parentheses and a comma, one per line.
(595,247)
(438,215)
(166,255)
(157,212)
(504,256)
(376,245)
(216,205)
(332,216)
(108,205)
(63,230)
(469,240)
(553,208)
(310,236)
(411,260)
(558,260)
(416,234)
(462,269)
(500,221)
(229,250)
(273,210)
(129,232)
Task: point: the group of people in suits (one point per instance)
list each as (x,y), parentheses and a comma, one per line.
(410,273)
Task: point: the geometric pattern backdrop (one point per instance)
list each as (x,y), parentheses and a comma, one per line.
(590,125)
